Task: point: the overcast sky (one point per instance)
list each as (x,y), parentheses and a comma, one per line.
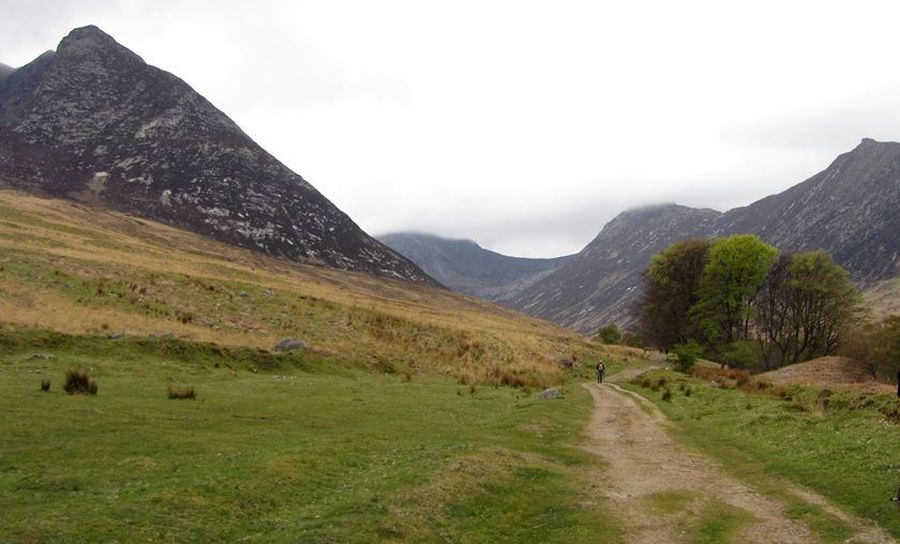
(522,125)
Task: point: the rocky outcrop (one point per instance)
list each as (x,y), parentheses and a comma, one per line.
(463,265)
(93,122)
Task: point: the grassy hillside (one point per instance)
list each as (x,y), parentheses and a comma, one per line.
(68,268)
(413,416)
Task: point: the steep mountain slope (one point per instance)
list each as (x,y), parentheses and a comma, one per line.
(5,71)
(598,285)
(851,209)
(464,266)
(92,121)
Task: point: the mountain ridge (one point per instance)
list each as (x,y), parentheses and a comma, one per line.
(463,265)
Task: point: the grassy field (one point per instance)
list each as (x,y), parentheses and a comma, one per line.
(841,443)
(287,448)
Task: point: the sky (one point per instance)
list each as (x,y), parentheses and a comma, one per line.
(525,126)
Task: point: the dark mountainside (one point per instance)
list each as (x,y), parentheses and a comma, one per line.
(93,122)
(851,209)
(464,266)
(598,285)
(5,71)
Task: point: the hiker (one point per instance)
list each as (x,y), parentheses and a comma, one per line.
(601,369)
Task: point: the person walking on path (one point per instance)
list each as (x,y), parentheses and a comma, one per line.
(601,369)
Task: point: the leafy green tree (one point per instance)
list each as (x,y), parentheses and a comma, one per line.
(734,273)
(804,305)
(670,285)
(610,334)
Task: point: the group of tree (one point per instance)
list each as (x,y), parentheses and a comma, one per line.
(745,304)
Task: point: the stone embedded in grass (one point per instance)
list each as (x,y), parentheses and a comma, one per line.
(551,394)
(290,344)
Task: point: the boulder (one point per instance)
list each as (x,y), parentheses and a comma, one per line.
(290,344)
(550,394)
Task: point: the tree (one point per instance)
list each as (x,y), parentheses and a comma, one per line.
(610,334)
(805,303)
(875,345)
(670,289)
(735,271)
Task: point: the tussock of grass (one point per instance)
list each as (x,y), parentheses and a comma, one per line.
(181,393)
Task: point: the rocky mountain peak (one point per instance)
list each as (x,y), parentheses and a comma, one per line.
(94,122)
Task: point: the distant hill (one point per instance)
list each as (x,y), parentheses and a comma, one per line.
(464,266)
(93,122)
(851,209)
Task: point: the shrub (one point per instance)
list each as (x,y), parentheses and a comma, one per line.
(610,334)
(667,395)
(688,391)
(79,383)
(45,385)
(687,354)
(181,393)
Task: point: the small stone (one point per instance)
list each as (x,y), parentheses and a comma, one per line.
(242,294)
(41,356)
(550,394)
(290,344)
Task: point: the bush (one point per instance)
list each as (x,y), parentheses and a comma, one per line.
(45,386)
(687,354)
(741,354)
(181,393)
(610,334)
(79,383)
(667,395)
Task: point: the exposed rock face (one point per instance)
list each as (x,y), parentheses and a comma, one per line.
(851,209)
(601,282)
(94,122)
(464,266)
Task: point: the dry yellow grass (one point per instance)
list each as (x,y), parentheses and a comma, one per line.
(73,268)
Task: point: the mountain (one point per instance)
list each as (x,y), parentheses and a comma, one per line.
(599,284)
(851,209)
(464,266)
(5,71)
(93,122)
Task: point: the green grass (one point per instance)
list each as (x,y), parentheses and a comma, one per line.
(718,522)
(845,449)
(296,448)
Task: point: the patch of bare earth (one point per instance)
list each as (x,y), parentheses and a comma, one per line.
(645,465)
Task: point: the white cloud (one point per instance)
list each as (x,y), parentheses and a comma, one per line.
(523,125)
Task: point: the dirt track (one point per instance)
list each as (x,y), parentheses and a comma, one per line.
(662,490)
